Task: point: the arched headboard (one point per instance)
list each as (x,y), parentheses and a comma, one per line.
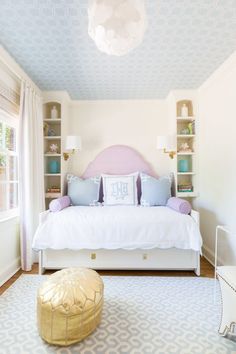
(118,160)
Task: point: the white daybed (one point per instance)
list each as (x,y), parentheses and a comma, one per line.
(118,237)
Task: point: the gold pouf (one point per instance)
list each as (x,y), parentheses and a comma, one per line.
(69,305)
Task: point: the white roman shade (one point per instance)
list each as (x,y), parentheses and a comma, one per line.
(9,90)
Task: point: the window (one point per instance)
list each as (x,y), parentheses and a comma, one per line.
(8,165)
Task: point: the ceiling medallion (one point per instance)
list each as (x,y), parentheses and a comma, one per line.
(117,26)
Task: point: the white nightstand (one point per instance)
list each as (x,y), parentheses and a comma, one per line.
(227,278)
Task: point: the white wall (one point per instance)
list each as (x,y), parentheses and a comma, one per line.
(137,123)
(217,134)
(128,122)
(9,248)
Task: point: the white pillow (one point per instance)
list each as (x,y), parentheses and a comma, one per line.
(120,189)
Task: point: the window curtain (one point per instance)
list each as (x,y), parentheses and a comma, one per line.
(31,178)
(9,90)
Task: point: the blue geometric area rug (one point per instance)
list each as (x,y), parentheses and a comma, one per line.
(142,315)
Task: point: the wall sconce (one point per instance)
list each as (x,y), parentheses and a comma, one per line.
(166,143)
(73,143)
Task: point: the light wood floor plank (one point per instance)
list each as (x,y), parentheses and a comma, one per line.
(207,270)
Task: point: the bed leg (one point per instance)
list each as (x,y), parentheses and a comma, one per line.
(197,270)
(41,268)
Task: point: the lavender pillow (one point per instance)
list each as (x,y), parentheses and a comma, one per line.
(180,205)
(59,203)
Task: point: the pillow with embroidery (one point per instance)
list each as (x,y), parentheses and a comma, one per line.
(83,191)
(155,191)
(120,189)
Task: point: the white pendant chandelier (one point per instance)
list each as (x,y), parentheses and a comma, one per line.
(117,26)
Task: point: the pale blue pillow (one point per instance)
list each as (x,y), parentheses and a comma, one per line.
(83,191)
(155,191)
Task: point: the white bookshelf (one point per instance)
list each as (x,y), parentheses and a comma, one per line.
(52,154)
(185,153)
(185,173)
(186,178)
(52,174)
(58,131)
(185,136)
(185,119)
(55,137)
(187,194)
(53,120)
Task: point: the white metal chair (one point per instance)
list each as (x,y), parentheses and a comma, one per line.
(227,279)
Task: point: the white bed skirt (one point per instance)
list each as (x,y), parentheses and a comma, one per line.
(137,259)
(153,259)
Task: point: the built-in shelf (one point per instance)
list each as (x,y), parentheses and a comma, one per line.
(185,153)
(56,137)
(49,195)
(52,174)
(51,155)
(52,120)
(187,194)
(186,136)
(185,173)
(186,182)
(185,119)
(54,133)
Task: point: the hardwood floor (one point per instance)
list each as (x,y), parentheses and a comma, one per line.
(207,270)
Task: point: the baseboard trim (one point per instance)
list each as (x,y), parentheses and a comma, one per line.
(210,256)
(9,271)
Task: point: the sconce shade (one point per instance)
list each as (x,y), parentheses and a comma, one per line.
(165,142)
(73,142)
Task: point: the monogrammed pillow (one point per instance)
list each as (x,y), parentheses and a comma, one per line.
(120,189)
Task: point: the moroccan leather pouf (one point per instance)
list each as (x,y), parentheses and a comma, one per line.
(69,305)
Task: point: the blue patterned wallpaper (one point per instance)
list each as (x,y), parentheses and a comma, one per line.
(185,42)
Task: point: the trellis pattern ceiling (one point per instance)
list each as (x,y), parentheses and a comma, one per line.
(186,40)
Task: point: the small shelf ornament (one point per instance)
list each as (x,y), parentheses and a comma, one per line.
(184,110)
(184,147)
(53,149)
(54,113)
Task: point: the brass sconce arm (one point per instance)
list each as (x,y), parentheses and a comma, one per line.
(66,155)
(171,153)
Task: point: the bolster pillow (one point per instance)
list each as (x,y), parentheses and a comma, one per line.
(59,203)
(180,205)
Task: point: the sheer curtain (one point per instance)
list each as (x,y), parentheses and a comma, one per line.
(31,178)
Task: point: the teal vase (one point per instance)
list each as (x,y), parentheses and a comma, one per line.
(183,166)
(54,166)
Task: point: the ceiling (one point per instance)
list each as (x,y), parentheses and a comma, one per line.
(185,42)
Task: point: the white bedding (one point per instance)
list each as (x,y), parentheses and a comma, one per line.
(117,227)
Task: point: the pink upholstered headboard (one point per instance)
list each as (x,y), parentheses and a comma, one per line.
(118,160)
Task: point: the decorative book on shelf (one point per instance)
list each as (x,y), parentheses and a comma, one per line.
(185,188)
(54,190)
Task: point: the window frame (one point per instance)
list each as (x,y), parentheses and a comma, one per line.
(12,121)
